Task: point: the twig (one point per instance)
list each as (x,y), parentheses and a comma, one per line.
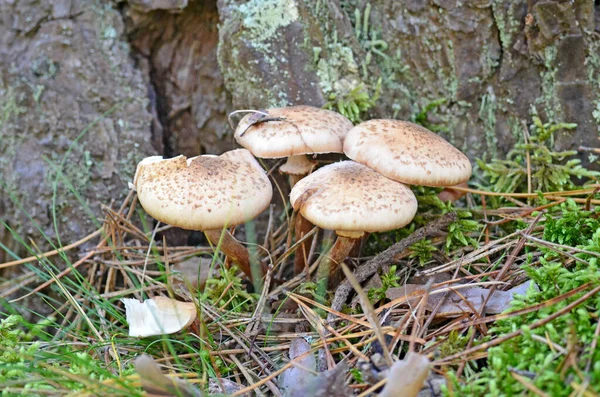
(369,312)
(53,252)
(371,267)
(419,317)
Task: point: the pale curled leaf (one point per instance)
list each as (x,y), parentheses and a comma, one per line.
(303,369)
(406,377)
(154,382)
(453,304)
(158,316)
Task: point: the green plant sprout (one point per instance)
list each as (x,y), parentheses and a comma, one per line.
(550,170)
(227,291)
(422,250)
(355,102)
(389,280)
(421,117)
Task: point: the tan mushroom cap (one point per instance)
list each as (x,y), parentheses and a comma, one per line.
(204,192)
(305,130)
(407,152)
(350,197)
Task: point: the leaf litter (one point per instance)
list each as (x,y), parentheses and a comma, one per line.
(319,347)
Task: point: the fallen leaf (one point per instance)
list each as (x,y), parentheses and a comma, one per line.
(406,377)
(158,316)
(155,383)
(303,369)
(454,305)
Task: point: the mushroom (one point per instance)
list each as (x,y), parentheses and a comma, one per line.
(407,153)
(351,199)
(293,132)
(206,193)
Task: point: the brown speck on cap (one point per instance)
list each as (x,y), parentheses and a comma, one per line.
(347,196)
(407,152)
(303,130)
(204,192)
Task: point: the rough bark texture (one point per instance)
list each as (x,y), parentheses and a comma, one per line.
(168,71)
(69,91)
(492,61)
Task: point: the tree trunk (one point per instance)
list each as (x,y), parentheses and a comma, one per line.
(491,62)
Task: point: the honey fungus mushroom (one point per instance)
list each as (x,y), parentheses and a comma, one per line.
(293,132)
(351,199)
(206,193)
(407,153)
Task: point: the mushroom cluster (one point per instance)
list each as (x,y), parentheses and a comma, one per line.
(362,195)
(367,194)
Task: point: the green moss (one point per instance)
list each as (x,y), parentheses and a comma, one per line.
(574,330)
(550,170)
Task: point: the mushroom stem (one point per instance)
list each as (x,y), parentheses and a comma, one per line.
(330,265)
(232,248)
(297,167)
(356,251)
(301,228)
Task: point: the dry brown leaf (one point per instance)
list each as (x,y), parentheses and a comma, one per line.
(406,377)
(454,304)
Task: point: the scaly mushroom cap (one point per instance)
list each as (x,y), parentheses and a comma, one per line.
(303,130)
(203,192)
(407,152)
(350,197)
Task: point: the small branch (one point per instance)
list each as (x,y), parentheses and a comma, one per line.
(371,267)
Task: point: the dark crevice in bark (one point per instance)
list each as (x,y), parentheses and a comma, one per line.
(498,37)
(176,50)
(160,126)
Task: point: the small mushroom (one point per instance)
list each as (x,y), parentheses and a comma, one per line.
(351,199)
(206,193)
(407,153)
(293,132)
